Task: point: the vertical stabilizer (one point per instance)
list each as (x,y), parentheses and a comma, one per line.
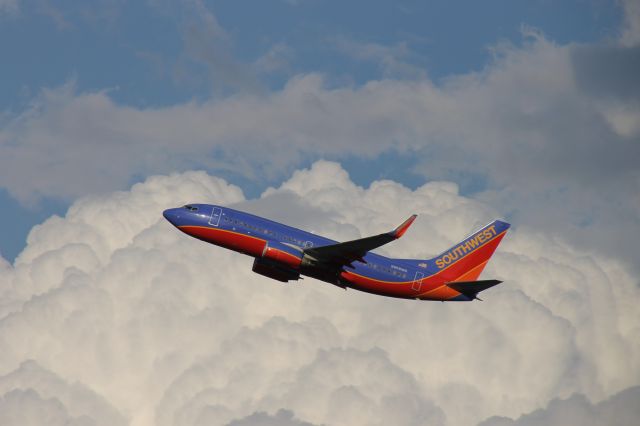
(466,260)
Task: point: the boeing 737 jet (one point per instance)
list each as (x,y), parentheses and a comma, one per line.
(285,253)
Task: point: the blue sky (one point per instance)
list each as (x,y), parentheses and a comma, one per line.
(154,54)
(133,48)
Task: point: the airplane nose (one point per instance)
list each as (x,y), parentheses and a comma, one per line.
(171,215)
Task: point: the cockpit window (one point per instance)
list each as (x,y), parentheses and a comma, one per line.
(191,208)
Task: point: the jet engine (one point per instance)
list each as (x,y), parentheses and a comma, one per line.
(272,269)
(283,254)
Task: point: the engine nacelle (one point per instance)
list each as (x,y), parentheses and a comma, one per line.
(277,271)
(283,254)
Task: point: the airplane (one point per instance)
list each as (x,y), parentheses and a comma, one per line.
(285,253)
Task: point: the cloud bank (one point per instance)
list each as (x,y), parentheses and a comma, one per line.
(548,112)
(111,316)
(548,133)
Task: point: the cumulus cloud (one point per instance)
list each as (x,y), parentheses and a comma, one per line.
(35,396)
(110,313)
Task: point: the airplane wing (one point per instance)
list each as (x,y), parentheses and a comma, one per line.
(346,253)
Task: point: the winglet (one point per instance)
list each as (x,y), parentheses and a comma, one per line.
(400,230)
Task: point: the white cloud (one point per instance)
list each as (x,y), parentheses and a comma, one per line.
(122,312)
(525,119)
(35,396)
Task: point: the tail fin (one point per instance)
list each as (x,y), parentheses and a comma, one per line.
(466,260)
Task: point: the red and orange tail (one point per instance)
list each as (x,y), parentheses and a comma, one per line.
(466,260)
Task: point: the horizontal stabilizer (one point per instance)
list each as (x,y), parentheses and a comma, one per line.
(472,288)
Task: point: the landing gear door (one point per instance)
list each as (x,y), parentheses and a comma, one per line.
(216,214)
